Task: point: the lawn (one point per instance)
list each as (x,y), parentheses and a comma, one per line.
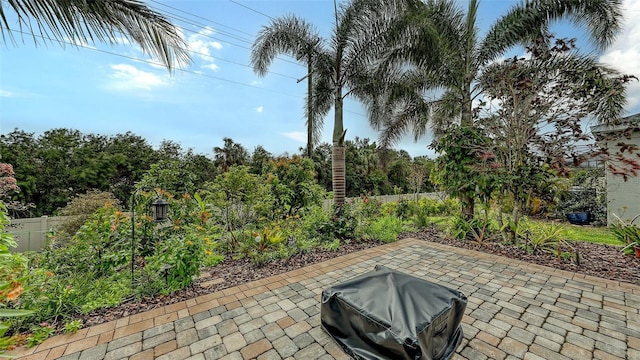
(597,235)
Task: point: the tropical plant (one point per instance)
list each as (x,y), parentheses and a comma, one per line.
(626,232)
(446,57)
(81,21)
(338,66)
(537,123)
(475,229)
(538,237)
(13,267)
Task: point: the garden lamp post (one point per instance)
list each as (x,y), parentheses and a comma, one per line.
(159,207)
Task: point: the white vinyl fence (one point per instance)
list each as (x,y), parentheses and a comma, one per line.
(31,234)
(394,198)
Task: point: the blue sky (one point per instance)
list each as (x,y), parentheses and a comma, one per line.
(104,89)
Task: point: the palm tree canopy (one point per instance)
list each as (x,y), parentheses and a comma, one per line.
(361,33)
(451,77)
(82,21)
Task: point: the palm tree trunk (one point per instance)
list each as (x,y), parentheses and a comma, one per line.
(338,174)
(338,171)
(310,122)
(466,120)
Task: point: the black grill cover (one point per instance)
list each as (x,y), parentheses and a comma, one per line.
(385,314)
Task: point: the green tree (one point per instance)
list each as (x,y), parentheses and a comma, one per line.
(230,154)
(19,148)
(201,167)
(537,126)
(293,185)
(132,156)
(339,65)
(81,21)
(447,55)
(168,175)
(259,159)
(322,164)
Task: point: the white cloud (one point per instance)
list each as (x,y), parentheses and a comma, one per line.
(201,46)
(211,66)
(297,136)
(128,77)
(259,109)
(5,93)
(256,82)
(624,53)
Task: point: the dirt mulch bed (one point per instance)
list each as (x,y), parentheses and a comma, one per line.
(596,260)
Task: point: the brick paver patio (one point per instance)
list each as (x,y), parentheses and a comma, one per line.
(516,310)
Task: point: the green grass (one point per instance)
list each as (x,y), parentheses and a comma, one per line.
(597,235)
(439,220)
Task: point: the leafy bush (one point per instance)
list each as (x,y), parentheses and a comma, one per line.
(324,227)
(176,261)
(385,229)
(81,207)
(13,269)
(293,185)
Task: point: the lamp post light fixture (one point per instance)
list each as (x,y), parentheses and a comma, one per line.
(159,207)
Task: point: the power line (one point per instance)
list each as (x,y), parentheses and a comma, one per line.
(61,42)
(254,10)
(200,17)
(204,26)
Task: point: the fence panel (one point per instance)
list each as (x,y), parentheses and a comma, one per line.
(31,234)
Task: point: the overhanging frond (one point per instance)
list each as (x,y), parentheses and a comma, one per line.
(531,18)
(83,21)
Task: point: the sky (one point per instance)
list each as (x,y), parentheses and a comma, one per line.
(113,89)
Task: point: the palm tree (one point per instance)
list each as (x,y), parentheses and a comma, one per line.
(230,154)
(81,21)
(339,66)
(452,76)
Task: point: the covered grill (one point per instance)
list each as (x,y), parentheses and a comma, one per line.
(385,314)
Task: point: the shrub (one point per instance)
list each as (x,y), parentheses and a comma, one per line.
(626,232)
(324,227)
(81,207)
(385,229)
(176,261)
(476,229)
(13,268)
(537,237)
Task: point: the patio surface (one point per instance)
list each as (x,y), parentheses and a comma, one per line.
(516,310)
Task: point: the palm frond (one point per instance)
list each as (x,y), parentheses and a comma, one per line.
(531,18)
(83,21)
(285,35)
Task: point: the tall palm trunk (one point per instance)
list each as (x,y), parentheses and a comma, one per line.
(338,166)
(310,122)
(466,120)
(338,173)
